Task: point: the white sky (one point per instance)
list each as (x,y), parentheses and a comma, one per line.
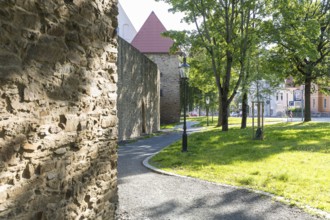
(139,10)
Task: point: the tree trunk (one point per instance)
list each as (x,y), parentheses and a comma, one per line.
(244,110)
(224,95)
(220,112)
(307,105)
(225,105)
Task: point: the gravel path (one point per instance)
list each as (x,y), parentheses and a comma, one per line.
(146,195)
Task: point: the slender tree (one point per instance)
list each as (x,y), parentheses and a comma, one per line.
(201,76)
(249,41)
(299,30)
(218,26)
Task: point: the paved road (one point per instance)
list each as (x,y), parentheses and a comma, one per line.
(314,119)
(146,195)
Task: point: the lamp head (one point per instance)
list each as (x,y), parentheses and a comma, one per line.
(207,100)
(184,69)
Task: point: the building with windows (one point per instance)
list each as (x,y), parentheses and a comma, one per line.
(288,97)
(320,103)
(276,103)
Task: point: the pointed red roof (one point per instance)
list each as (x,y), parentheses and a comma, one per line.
(149,39)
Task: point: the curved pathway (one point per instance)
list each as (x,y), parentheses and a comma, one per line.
(146,195)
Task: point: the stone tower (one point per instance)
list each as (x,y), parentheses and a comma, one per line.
(150,42)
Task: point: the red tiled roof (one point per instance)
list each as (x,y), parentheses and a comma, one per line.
(149,39)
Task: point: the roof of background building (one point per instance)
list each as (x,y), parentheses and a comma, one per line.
(149,39)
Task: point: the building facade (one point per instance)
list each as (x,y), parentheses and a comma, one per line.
(320,103)
(288,97)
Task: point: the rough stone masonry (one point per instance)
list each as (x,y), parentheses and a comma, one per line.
(58,119)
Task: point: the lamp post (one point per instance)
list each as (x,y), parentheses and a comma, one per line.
(184,75)
(207,100)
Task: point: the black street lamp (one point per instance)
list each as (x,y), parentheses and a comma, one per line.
(184,75)
(207,100)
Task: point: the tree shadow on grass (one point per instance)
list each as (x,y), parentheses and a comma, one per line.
(237,145)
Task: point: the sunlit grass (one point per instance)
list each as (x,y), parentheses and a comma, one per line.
(232,121)
(168,126)
(292,161)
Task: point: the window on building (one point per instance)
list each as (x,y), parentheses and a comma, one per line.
(324,103)
(276,96)
(313,103)
(281,96)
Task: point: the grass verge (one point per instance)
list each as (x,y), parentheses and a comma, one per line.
(169,126)
(293,161)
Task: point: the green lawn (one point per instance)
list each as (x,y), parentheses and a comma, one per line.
(169,126)
(236,121)
(292,161)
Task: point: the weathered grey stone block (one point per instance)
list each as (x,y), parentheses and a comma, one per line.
(27,20)
(51,175)
(29,171)
(47,166)
(9,60)
(56,30)
(46,52)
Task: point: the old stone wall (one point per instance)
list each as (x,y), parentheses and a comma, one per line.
(58,122)
(138,93)
(169,86)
